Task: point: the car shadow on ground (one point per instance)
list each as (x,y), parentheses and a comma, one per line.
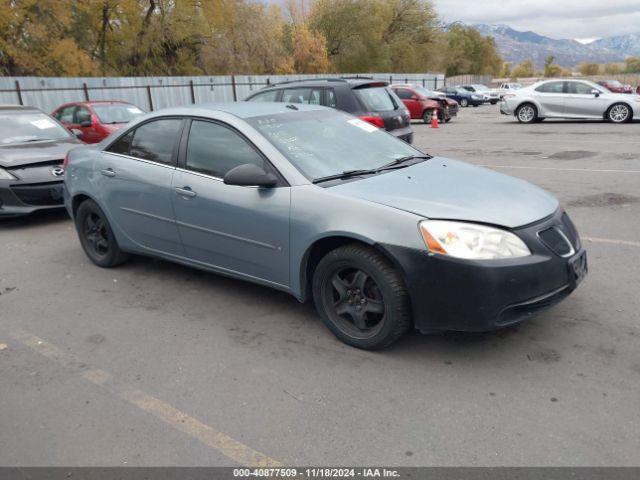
(36,219)
(284,320)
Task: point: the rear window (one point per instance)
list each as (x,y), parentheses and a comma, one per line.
(376,99)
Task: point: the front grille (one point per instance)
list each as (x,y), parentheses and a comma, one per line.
(43,194)
(556,241)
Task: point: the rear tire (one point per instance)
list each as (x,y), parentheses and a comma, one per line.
(361,297)
(464,102)
(527,113)
(619,113)
(96,236)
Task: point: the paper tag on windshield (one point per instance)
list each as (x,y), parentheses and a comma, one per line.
(366,126)
(43,124)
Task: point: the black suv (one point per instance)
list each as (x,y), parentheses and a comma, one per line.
(371,100)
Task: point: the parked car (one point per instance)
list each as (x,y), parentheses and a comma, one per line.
(463,97)
(569,99)
(371,100)
(98,119)
(508,87)
(325,206)
(422,102)
(492,95)
(32,149)
(615,86)
(420,107)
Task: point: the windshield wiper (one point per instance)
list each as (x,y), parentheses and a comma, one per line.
(395,164)
(345,174)
(401,160)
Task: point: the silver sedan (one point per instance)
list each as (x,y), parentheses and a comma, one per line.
(572,99)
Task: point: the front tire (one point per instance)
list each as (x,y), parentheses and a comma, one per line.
(361,297)
(619,113)
(527,113)
(427,115)
(96,236)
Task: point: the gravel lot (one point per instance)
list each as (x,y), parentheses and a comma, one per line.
(157,364)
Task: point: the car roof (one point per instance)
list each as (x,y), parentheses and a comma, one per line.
(93,102)
(350,82)
(241,109)
(7,107)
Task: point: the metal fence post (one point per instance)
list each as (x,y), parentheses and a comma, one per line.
(149,98)
(19,93)
(86,92)
(193,92)
(233,86)
(391,79)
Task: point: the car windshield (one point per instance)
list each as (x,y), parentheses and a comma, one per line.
(23,127)
(481,88)
(614,83)
(323,143)
(425,92)
(376,99)
(116,112)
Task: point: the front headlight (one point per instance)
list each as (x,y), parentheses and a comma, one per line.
(4,175)
(471,240)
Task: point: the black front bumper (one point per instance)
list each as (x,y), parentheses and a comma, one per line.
(35,189)
(456,294)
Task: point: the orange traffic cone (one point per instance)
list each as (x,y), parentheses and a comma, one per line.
(434,120)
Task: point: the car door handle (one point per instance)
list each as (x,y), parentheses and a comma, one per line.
(108,172)
(186,192)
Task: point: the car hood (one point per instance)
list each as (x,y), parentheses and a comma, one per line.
(441,188)
(35,152)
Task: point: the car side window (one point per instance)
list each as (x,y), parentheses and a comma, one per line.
(65,115)
(296,95)
(82,115)
(314,97)
(551,87)
(404,94)
(269,96)
(331,99)
(122,145)
(155,140)
(214,149)
(580,88)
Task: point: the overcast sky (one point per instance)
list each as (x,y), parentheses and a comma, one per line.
(578,19)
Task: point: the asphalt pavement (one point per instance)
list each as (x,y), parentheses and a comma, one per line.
(153,363)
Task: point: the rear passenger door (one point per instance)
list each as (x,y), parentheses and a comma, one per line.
(551,97)
(134,176)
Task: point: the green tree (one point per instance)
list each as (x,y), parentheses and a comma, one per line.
(524,70)
(612,69)
(632,65)
(589,69)
(470,52)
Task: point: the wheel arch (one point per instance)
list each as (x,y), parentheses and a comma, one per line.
(618,102)
(76,200)
(321,246)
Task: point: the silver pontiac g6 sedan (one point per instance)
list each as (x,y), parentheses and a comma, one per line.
(325,206)
(571,99)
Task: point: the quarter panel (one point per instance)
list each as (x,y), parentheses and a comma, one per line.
(318,213)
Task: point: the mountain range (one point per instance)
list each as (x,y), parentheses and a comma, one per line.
(516,46)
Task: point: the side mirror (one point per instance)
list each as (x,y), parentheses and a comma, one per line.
(250,175)
(76,132)
(415,97)
(85,123)
(595,92)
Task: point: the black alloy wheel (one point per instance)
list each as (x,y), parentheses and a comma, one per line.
(96,236)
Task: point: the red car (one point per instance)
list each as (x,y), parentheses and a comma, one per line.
(422,102)
(96,120)
(615,86)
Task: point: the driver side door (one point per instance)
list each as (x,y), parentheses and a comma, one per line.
(239,230)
